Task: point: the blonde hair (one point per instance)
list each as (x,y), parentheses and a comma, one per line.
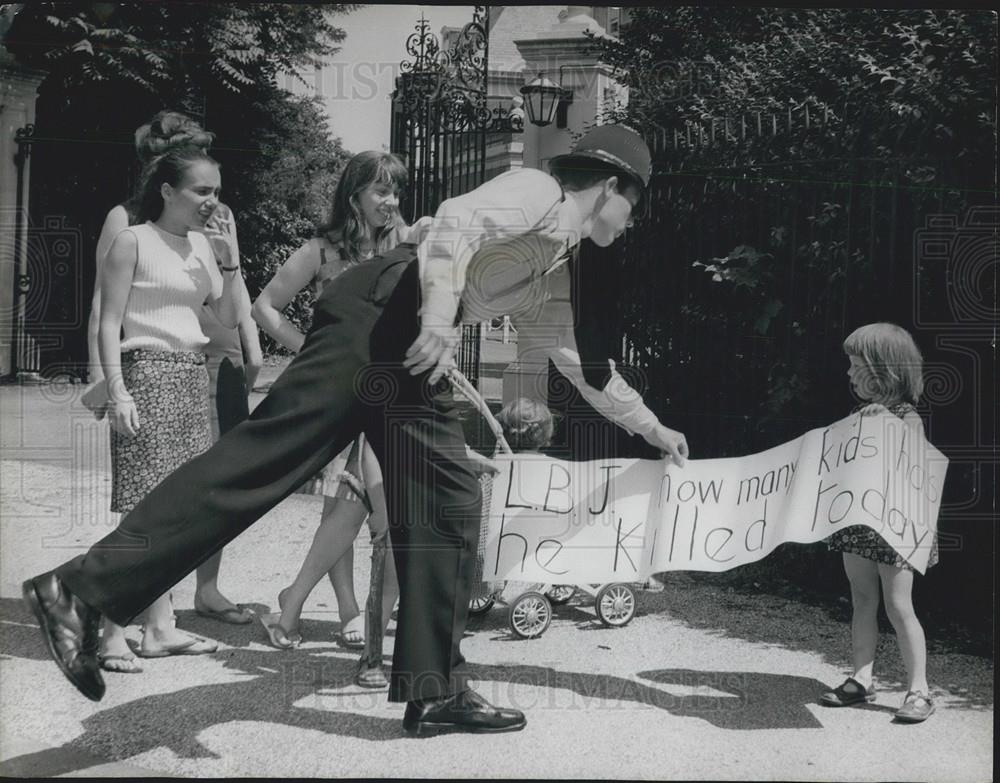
(892,357)
(527,424)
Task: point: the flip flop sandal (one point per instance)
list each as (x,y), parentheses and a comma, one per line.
(128,658)
(842,697)
(233,616)
(276,635)
(193,646)
(917,707)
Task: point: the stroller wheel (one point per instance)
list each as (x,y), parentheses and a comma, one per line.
(478,606)
(560,594)
(530,615)
(615,605)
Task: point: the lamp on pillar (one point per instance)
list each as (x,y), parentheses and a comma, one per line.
(542,98)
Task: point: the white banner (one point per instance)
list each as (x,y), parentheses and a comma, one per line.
(621,520)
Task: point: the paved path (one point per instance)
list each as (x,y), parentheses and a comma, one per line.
(704,684)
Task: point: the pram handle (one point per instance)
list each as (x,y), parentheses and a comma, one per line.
(462,385)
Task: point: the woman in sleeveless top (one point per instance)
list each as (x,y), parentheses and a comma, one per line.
(154,281)
(364,222)
(233,360)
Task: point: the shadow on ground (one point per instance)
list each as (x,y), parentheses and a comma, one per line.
(312,687)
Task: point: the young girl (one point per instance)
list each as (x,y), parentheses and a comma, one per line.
(364,222)
(154,281)
(886,373)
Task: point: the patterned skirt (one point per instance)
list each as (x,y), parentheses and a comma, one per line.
(171,396)
(865,542)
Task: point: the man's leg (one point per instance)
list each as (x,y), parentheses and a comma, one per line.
(311,414)
(433,503)
(306,419)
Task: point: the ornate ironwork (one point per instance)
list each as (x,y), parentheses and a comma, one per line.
(440,121)
(452,82)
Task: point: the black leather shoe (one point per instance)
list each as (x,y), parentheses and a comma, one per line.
(70,629)
(465,711)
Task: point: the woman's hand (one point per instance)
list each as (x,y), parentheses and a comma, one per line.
(95,399)
(251,368)
(221,235)
(124,416)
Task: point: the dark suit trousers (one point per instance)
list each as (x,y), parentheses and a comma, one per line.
(347,378)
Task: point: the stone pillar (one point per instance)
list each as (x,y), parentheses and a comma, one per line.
(18,90)
(564,54)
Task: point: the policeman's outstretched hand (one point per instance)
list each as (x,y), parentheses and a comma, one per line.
(670,441)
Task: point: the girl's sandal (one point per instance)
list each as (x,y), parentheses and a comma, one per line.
(370,676)
(917,707)
(842,696)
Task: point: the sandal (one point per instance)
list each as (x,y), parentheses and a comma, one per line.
(234,615)
(841,696)
(193,646)
(128,659)
(917,707)
(352,638)
(278,636)
(370,676)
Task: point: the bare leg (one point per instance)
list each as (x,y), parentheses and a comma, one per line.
(207,594)
(227,396)
(337,530)
(863,576)
(342,581)
(115,653)
(897,586)
(160,628)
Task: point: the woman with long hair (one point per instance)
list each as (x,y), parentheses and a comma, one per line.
(364,221)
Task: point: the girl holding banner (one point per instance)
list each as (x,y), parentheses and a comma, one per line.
(886,373)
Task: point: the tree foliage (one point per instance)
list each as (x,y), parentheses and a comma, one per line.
(172,49)
(891,83)
(112,65)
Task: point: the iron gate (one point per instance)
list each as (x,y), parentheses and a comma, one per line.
(440,120)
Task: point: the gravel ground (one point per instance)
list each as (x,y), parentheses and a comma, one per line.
(715,679)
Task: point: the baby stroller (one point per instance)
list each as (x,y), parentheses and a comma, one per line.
(529,612)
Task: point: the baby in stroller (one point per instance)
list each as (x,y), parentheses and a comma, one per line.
(527,426)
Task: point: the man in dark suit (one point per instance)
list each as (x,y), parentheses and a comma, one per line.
(382,340)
